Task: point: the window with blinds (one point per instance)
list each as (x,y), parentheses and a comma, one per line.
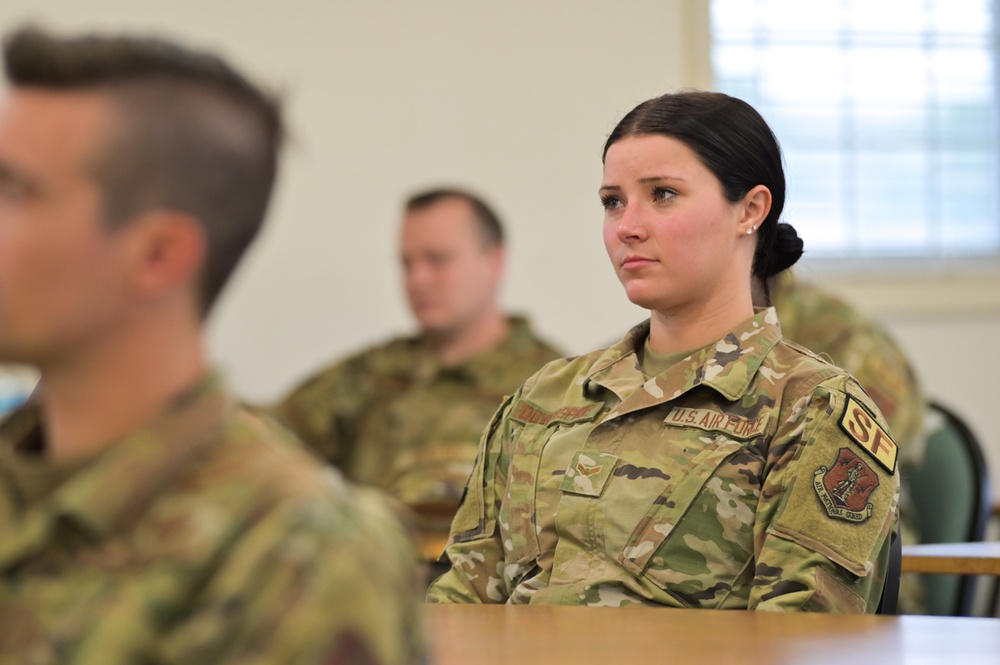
(887,115)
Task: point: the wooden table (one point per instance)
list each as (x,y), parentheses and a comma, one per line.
(537,635)
(953,558)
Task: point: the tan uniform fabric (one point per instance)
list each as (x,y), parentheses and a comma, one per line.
(395,418)
(207,537)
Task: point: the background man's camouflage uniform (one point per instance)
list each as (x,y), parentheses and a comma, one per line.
(727,481)
(827,325)
(207,537)
(394,417)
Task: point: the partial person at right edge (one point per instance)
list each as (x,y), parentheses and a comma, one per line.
(828,325)
(406,415)
(703,461)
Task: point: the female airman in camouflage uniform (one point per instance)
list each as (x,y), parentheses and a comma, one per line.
(702,461)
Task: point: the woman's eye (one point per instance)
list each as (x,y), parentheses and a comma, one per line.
(610,202)
(663,194)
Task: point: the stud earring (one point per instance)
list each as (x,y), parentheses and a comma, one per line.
(749,231)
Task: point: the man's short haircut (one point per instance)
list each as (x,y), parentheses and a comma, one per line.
(190,134)
(486,219)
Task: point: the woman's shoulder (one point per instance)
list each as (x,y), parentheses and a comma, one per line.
(799,363)
(804,373)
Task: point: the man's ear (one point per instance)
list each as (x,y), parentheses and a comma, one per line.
(498,259)
(167,250)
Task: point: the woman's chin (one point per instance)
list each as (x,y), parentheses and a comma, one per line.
(643,298)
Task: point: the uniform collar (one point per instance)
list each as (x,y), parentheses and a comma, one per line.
(112,490)
(728,366)
(485,368)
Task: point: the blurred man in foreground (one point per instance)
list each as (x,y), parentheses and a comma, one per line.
(144,516)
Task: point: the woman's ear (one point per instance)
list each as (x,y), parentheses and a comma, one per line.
(756,205)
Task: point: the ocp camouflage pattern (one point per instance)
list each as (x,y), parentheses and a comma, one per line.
(210,536)
(691,489)
(827,325)
(396,418)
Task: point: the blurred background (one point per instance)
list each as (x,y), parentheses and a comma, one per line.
(887,113)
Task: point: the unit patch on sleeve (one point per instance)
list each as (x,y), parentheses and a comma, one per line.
(863,429)
(844,488)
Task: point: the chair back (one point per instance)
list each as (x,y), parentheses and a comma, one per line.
(890,592)
(951,497)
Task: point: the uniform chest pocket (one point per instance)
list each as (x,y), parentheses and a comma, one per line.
(517,512)
(696,541)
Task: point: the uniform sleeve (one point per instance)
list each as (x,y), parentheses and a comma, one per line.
(309,585)
(828,506)
(475,548)
(323,412)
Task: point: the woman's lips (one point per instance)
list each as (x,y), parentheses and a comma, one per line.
(635,262)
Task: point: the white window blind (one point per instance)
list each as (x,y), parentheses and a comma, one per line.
(886,112)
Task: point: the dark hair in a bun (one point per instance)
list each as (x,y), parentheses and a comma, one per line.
(780,255)
(735,143)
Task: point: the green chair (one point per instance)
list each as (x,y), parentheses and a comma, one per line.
(890,592)
(951,498)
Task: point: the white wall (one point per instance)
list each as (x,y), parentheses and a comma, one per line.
(512,99)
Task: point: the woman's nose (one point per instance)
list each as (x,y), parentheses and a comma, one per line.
(631,225)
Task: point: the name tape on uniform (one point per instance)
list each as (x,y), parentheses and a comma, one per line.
(707,419)
(529,414)
(862,428)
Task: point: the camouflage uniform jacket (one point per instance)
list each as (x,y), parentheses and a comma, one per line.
(394,417)
(728,481)
(209,536)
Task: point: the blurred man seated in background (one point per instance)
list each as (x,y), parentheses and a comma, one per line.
(829,326)
(407,415)
(144,516)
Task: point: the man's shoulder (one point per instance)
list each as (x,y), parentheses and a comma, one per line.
(390,355)
(525,341)
(397,357)
(255,449)
(816,317)
(257,471)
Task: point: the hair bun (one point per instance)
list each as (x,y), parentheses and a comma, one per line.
(788,249)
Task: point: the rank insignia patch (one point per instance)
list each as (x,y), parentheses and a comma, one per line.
(588,473)
(844,488)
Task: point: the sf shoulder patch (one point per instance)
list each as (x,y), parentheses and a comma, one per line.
(863,430)
(845,486)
